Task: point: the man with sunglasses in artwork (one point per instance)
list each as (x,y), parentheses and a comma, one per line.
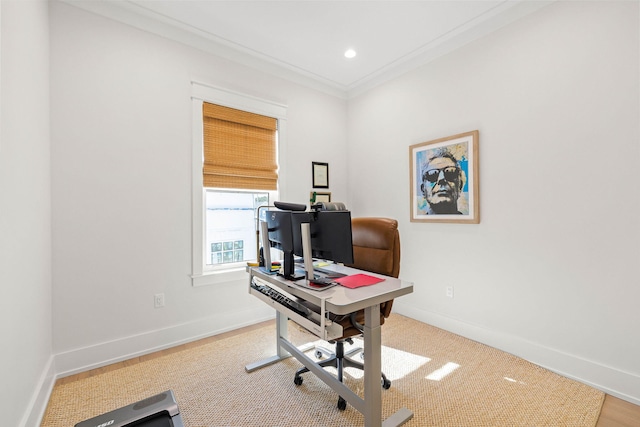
(442,183)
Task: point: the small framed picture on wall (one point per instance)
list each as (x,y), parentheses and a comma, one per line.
(318,197)
(320,172)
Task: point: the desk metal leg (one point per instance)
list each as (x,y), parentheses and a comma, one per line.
(373,375)
(372,367)
(281,352)
(282,331)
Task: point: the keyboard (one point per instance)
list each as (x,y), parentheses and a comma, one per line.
(282,299)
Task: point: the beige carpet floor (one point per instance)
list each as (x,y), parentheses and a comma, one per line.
(446,380)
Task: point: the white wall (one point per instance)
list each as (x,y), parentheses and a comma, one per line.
(550,273)
(121,168)
(25,212)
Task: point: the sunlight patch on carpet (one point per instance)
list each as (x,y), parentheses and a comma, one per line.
(442,372)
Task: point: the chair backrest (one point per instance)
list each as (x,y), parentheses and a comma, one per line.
(376,245)
(376,248)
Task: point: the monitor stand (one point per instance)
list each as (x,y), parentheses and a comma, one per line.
(289,268)
(307,253)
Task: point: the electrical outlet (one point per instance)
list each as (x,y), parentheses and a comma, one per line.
(158,300)
(450,291)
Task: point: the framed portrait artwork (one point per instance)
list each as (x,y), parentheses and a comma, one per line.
(320,174)
(444,179)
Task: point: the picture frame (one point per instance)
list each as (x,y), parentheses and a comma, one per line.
(444,180)
(320,174)
(320,197)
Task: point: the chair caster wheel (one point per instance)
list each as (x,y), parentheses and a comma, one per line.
(297,380)
(386,384)
(342,404)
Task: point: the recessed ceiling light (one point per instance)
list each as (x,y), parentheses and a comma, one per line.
(350,53)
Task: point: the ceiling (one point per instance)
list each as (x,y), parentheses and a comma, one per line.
(305,40)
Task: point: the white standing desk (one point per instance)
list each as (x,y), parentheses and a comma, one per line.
(337,300)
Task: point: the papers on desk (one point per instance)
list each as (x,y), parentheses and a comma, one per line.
(274,269)
(320,263)
(358,280)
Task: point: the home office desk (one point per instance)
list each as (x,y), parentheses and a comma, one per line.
(337,300)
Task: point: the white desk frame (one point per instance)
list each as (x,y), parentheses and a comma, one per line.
(339,300)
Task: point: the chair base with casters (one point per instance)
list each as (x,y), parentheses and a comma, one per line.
(339,360)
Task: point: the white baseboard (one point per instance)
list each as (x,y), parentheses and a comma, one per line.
(38,404)
(102,354)
(621,384)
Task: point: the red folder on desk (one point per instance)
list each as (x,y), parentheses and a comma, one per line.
(358,280)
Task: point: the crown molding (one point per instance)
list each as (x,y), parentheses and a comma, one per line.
(137,16)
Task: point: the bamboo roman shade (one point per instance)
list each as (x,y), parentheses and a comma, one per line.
(239,149)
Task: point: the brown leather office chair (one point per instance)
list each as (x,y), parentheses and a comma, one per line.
(376,248)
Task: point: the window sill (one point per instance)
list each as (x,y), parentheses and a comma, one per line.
(218,277)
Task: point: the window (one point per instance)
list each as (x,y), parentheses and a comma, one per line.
(231,180)
(239,159)
(231,223)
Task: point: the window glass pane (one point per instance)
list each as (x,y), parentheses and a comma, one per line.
(231,226)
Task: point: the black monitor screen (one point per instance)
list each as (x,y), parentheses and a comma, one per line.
(331,236)
(297,219)
(280,230)
(285,237)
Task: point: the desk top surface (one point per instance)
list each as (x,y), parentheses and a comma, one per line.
(339,299)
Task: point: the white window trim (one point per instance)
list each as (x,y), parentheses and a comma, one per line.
(200,93)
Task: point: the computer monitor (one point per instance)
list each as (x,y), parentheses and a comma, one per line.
(281,236)
(331,236)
